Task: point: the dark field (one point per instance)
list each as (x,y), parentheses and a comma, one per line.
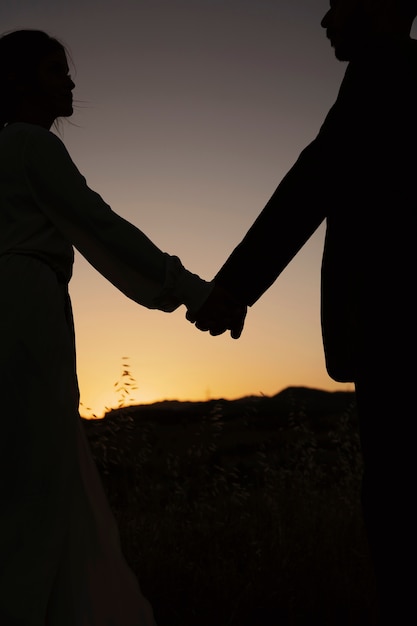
(242,513)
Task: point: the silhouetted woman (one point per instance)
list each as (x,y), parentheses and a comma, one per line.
(60,557)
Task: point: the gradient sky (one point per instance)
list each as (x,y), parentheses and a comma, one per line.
(189,113)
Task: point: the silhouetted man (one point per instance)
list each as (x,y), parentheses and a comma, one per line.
(360,175)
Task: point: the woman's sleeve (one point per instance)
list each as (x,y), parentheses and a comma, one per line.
(116,248)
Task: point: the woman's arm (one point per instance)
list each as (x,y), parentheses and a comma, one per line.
(116,248)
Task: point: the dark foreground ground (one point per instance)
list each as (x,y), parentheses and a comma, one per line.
(242,513)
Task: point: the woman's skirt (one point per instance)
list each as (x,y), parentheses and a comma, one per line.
(61,562)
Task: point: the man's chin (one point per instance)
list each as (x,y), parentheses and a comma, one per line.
(347,49)
(340,56)
(343,53)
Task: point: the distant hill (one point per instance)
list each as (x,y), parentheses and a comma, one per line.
(313,402)
(234,428)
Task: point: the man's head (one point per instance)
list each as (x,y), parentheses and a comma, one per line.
(352,25)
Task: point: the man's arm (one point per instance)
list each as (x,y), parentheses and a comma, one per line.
(291,216)
(303,199)
(288,220)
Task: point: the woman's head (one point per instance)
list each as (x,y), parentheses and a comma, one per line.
(35,85)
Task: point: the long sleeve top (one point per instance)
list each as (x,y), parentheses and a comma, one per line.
(47,209)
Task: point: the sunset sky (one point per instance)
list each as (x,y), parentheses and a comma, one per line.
(188,115)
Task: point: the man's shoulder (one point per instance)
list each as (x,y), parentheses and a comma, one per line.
(412,51)
(412,44)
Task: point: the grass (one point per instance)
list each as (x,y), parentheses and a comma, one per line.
(267,530)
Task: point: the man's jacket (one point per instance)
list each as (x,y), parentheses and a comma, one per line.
(360,175)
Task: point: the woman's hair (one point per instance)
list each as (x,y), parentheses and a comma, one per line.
(21,52)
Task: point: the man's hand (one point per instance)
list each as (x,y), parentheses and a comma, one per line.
(220,312)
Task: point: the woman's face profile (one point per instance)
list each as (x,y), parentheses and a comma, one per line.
(53,86)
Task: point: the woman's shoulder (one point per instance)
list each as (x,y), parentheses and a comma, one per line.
(32,133)
(38,150)
(36,144)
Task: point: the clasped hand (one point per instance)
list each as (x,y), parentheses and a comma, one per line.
(220,312)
